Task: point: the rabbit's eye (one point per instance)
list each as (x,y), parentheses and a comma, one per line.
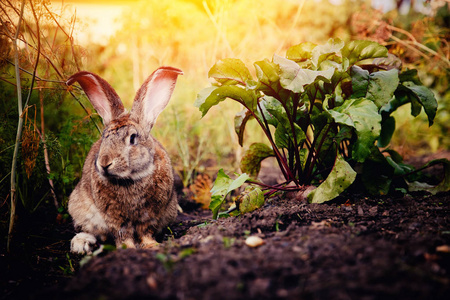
(133,139)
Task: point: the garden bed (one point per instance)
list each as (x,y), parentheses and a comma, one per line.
(353,248)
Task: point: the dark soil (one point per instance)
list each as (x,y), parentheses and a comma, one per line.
(353,248)
(356,247)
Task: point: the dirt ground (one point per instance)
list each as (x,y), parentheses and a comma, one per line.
(354,248)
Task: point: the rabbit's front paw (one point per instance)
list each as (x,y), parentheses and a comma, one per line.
(82,243)
(127,243)
(148,243)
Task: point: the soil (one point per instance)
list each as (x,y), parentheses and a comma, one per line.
(356,247)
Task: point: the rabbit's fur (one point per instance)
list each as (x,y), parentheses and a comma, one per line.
(126,189)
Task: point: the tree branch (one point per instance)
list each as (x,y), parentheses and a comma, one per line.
(19,131)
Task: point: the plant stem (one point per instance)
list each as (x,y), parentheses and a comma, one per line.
(298,165)
(33,76)
(278,187)
(86,111)
(316,156)
(281,162)
(19,130)
(416,43)
(54,81)
(70,37)
(41,98)
(289,169)
(46,158)
(312,154)
(217,25)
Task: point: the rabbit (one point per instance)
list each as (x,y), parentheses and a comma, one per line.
(126,190)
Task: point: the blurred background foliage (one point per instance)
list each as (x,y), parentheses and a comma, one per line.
(191,35)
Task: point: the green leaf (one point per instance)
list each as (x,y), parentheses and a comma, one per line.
(240,121)
(276,116)
(202,96)
(345,133)
(380,171)
(300,52)
(401,98)
(269,80)
(238,182)
(222,186)
(403,95)
(251,199)
(389,62)
(251,161)
(320,118)
(360,81)
(382,86)
(271,109)
(266,71)
(230,71)
(387,130)
(359,50)
(284,137)
(423,96)
(211,96)
(394,155)
(410,75)
(400,169)
(215,204)
(294,78)
(377,173)
(443,186)
(326,51)
(340,178)
(362,115)
(377,86)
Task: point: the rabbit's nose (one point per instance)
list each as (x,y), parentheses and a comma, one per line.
(105,168)
(104,162)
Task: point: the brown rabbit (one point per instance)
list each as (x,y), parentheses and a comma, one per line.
(126,189)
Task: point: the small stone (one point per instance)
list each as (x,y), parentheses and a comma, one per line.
(254,241)
(282,293)
(151,282)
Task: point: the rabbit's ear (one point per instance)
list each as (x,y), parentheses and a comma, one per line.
(102,96)
(154,95)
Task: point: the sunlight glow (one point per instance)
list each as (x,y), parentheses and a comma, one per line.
(97,20)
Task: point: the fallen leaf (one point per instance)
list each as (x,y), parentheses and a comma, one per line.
(201,188)
(443,248)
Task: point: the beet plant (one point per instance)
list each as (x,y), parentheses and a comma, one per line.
(326,111)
